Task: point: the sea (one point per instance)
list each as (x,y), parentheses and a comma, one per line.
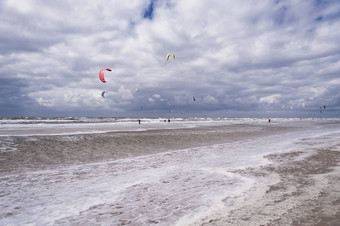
(161,171)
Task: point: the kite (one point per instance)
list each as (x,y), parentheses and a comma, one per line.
(168,56)
(303,105)
(101,74)
(103,94)
(137,90)
(323,108)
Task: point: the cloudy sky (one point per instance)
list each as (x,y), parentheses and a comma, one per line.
(237,58)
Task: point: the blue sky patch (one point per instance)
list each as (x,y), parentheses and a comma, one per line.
(148,13)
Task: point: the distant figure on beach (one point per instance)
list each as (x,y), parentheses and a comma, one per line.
(168,120)
(269,120)
(138,121)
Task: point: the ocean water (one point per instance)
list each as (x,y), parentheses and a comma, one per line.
(114,171)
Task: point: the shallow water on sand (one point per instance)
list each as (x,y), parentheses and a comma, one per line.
(162,175)
(40,152)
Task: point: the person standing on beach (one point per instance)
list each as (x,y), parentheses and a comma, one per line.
(269,120)
(138,121)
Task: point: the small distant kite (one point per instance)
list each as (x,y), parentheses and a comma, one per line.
(103,93)
(322,108)
(170,55)
(194,98)
(137,90)
(101,74)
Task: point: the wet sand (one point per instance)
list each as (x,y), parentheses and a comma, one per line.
(210,175)
(302,188)
(41,152)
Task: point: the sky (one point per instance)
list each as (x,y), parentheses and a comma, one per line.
(244,58)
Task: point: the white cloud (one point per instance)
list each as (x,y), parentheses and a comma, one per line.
(61,97)
(270,99)
(125,93)
(227,52)
(209,100)
(151,100)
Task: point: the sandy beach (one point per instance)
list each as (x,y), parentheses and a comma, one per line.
(194,172)
(300,189)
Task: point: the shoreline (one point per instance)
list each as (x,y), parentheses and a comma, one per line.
(84,128)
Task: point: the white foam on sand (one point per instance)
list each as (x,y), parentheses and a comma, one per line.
(174,188)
